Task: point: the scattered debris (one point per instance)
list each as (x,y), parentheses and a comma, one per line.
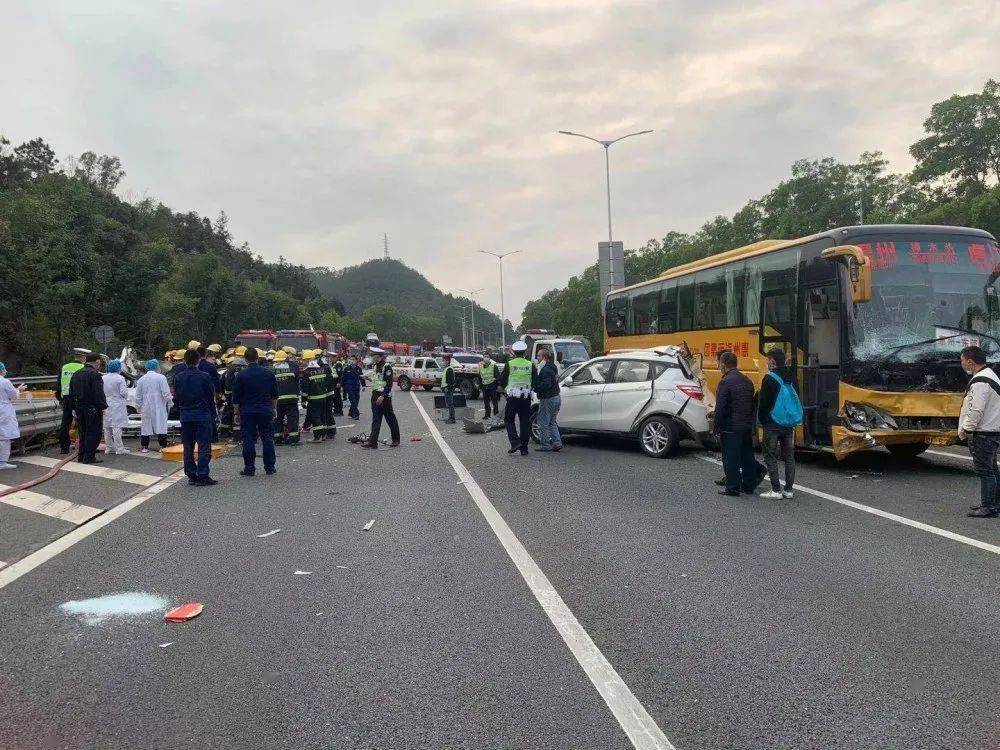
(184,612)
(168,643)
(272,532)
(303,572)
(416,438)
(342,567)
(368,526)
(461,482)
(95,611)
(331,494)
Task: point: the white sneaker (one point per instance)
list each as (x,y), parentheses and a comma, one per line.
(771,495)
(7,466)
(144,450)
(787,494)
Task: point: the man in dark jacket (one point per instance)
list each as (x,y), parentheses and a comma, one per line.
(195,399)
(489,376)
(546,387)
(86,393)
(351,381)
(778,440)
(256,394)
(448,387)
(734,424)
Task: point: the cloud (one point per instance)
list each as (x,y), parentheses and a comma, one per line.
(319,126)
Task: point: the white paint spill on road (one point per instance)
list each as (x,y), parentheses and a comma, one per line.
(97,610)
(641,729)
(266,534)
(368,526)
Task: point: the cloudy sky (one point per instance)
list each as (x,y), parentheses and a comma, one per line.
(317,126)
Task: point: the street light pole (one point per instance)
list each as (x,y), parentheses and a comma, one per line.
(472,293)
(500,257)
(607,169)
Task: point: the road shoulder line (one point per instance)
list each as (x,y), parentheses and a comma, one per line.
(26,564)
(962,539)
(36,502)
(104,472)
(633,718)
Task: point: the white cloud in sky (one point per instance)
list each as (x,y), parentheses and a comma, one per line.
(317,126)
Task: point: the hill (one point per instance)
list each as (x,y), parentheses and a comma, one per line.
(387,296)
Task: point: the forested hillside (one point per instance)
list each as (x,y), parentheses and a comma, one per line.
(74,256)
(955,182)
(397,302)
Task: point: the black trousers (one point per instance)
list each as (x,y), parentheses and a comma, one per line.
(90,425)
(286,427)
(144,441)
(329,422)
(385,410)
(743,471)
(518,409)
(65,424)
(316,417)
(491,398)
(338,402)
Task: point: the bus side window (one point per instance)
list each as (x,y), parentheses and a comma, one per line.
(616,316)
(666,314)
(685,304)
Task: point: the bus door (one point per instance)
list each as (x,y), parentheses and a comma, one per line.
(778,326)
(821,326)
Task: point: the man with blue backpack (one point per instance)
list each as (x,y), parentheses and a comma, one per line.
(779,411)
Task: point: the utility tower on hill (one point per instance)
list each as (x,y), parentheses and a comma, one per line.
(385,246)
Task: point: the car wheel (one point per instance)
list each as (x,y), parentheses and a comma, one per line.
(534,426)
(428,387)
(467,388)
(404,383)
(658,437)
(907,450)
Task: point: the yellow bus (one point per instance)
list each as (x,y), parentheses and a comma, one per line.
(872,318)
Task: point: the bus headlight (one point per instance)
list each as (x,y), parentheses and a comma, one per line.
(863,417)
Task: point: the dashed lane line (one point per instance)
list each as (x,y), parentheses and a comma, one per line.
(962,539)
(26,564)
(638,725)
(52,507)
(118,475)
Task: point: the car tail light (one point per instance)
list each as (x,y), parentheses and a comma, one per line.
(691,391)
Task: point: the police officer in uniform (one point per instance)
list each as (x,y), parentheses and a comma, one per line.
(516,381)
(489,375)
(62,395)
(287,424)
(314,388)
(86,391)
(448,387)
(382,400)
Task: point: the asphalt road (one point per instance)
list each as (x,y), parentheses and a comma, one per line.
(860,614)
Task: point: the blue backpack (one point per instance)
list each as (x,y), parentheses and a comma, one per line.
(787,409)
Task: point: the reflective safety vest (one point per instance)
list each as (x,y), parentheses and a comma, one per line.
(488,375)
(378,379)
(288,383)
(444,375)
(519,373)
(66,375)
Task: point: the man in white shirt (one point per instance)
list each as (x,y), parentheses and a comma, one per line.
(979,423)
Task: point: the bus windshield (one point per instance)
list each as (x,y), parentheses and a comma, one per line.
(932,295)
(302,341)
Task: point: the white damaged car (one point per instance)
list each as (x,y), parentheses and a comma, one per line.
(647,395)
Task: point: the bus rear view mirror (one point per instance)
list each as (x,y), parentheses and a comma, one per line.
(858,267)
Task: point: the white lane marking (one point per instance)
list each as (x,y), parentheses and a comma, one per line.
(132,477)
(3,564)
(960,456)
(27,564)
(640,727)
(891,516)
(36,502)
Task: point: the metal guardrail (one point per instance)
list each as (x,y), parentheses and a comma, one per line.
(35,380)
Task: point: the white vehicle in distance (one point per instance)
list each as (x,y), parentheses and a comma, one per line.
(647,395)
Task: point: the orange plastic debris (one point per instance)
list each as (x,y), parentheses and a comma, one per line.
(184,612)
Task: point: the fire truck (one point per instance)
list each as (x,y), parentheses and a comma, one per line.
(257,338)
(302,338)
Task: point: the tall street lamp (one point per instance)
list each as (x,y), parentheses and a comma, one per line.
(472,293)
(500,257)
(607,166)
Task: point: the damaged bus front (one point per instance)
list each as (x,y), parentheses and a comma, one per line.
(933,291)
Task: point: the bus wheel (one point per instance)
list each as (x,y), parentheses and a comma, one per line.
(907,450)
(658,437)
(404,383)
